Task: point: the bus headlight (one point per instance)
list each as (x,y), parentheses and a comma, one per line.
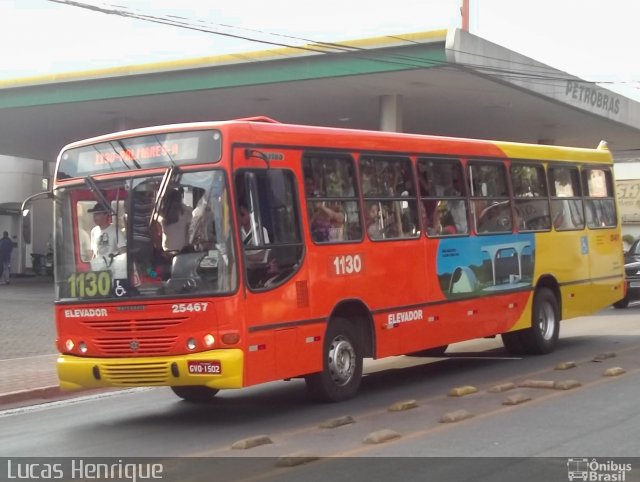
(69,344)
(191,344)
(209,340)
(82,346)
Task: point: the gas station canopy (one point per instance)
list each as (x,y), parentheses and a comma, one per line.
(442,82)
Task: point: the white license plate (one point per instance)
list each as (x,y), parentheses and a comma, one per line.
(204,367)
(634,284)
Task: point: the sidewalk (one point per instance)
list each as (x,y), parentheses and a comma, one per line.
(27,341)
(29,378)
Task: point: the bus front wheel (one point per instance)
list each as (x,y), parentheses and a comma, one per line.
(542,336)
(195,394)
(342,365)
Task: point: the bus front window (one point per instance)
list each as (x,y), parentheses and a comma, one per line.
(151,239)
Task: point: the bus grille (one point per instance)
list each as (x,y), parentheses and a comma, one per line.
(143,345)
(136,374)
(131,326)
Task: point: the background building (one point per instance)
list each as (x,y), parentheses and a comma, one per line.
(439,82)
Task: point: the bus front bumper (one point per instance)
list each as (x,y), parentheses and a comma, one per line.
(215,369)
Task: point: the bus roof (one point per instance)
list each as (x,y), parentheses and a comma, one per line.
(266,131)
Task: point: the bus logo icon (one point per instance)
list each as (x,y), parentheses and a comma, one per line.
(578,469)
(584,245)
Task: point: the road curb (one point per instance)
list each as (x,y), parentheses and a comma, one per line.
(30,394)
(43,393)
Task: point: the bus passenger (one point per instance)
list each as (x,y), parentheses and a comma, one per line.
(459,214)
(446,222)
(429,215)
(310,187)
(175,219)
(373,221)
(334,182)
(327,222)
(201,230)
(368,178)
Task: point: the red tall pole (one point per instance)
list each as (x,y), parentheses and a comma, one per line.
(464,11)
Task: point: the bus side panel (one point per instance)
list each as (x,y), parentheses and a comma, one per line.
(561,255)
(260,359)
(475,287)
(586,265)
(606,266)
(386,279)
(282,340)
(486,281)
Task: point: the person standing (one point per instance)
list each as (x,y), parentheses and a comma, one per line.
(175,219)
(6,246)
(105,241)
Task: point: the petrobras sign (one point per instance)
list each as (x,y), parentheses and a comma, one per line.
(590,95)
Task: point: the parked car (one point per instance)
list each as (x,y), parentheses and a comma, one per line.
(631,275)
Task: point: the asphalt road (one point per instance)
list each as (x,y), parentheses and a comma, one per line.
(599,418)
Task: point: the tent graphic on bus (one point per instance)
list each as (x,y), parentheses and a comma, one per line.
(485,264)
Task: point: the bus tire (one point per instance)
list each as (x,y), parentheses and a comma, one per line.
(621,304)
(341,367)
(542,336)
(196,393)
(513,343)
(436,351)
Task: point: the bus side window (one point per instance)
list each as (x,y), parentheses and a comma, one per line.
(391,209)
(599,198)
(566,198)
(332,198)
(490,202)
(443,199)
(268,226)
(531,200)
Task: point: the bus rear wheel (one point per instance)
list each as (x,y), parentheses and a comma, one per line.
(623,303)
(342,365)
(195,394)
(542,336)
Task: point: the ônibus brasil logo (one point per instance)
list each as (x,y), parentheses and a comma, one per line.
(596,471)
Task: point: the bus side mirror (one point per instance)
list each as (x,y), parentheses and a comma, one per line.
(41,195)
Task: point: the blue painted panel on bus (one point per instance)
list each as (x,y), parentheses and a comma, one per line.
(484,264)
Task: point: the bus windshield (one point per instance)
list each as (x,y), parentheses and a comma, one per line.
(145,236)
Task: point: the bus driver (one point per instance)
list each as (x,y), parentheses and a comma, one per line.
(105,240)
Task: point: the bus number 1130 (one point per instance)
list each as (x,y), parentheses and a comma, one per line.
(346,264)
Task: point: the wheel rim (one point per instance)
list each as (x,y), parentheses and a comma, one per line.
(546,321)
(342,360)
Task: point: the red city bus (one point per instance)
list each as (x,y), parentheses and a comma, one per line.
(221,255)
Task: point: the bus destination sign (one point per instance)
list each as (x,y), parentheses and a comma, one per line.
(141,153)
(160,150)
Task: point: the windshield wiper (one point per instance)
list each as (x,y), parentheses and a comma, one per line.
(89,181)
(128,153)
(164,149)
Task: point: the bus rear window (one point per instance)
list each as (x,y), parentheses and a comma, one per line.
(600,207)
